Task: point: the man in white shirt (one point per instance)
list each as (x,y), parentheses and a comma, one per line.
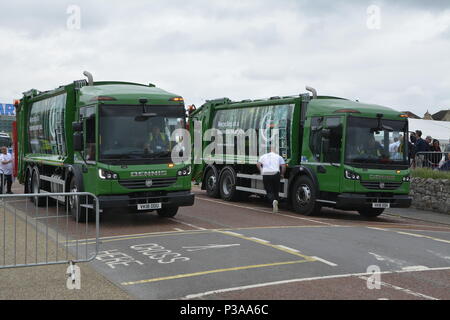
(6,169)
(270,165)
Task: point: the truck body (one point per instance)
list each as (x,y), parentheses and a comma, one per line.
(339,153)
(100,137)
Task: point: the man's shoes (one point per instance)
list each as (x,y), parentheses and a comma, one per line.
(275,206)
(9,192)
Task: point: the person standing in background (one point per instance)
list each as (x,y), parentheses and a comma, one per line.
(6,169)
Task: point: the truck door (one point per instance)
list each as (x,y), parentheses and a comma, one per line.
(90,148)
(329,172)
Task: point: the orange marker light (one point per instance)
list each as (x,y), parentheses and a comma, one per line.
(170,165)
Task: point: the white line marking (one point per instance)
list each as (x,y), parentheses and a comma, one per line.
(380,229)
(234,233)
(415,268)
(407,291)
(325,261)
(265,211)
(187,224)
(260,240)
(260,285)
(389,260)
(287,248)
(178,229)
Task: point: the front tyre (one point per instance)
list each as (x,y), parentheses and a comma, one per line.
(304,197)
(167,212)
(74,203)
(370,212)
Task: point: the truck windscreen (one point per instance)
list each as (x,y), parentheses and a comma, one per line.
(125,134)
(376,143)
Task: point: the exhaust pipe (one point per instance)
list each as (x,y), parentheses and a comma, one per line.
(313,91)
(90,78)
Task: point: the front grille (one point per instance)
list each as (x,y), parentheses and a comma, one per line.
(372,185)
(141,184)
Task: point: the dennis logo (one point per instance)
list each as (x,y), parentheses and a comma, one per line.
(148,183)
(149,173)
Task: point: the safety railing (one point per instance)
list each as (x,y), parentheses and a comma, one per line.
(46,229)
(431,160)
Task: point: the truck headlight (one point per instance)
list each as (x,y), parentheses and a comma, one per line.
(184,172)
(351,175)
(107,175)
(406,179)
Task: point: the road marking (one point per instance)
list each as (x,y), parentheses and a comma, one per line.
(258,239)
(211,246)
(388,260)
(422,236)
(415,268)
(262,210)
(266,284)
(325,261)
(407,291)
(296,252)
(380,229)
(187,224)
(287,248)
(178,229)
(233,233)
(440,255)
(195,274)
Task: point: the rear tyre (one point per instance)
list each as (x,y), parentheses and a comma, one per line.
(304,197)
(167,212)
(371,212)
(227,185)
(212,183)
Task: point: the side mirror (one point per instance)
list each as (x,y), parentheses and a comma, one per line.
(78,141)
(77,126)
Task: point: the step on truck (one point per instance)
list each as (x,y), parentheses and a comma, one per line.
(112,139)
(339,153)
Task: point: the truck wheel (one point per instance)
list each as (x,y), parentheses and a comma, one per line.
(28,180)
(35,188)
(227,185)
(212,183)
(304,197)
(370,212)
(74,203)
(167,212)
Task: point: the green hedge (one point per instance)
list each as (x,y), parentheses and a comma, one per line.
(428,173)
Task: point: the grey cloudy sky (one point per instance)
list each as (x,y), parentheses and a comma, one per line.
(205,49)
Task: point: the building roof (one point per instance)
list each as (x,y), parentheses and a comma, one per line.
(443,115)
(411,115)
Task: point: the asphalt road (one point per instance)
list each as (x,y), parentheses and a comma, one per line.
(228,250)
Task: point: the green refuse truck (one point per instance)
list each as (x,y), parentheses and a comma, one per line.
(339,153)
(112,139)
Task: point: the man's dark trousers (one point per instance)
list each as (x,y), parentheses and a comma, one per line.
(6,179)
(272,186)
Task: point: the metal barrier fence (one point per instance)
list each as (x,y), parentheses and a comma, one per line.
(432,160)
(39,229)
